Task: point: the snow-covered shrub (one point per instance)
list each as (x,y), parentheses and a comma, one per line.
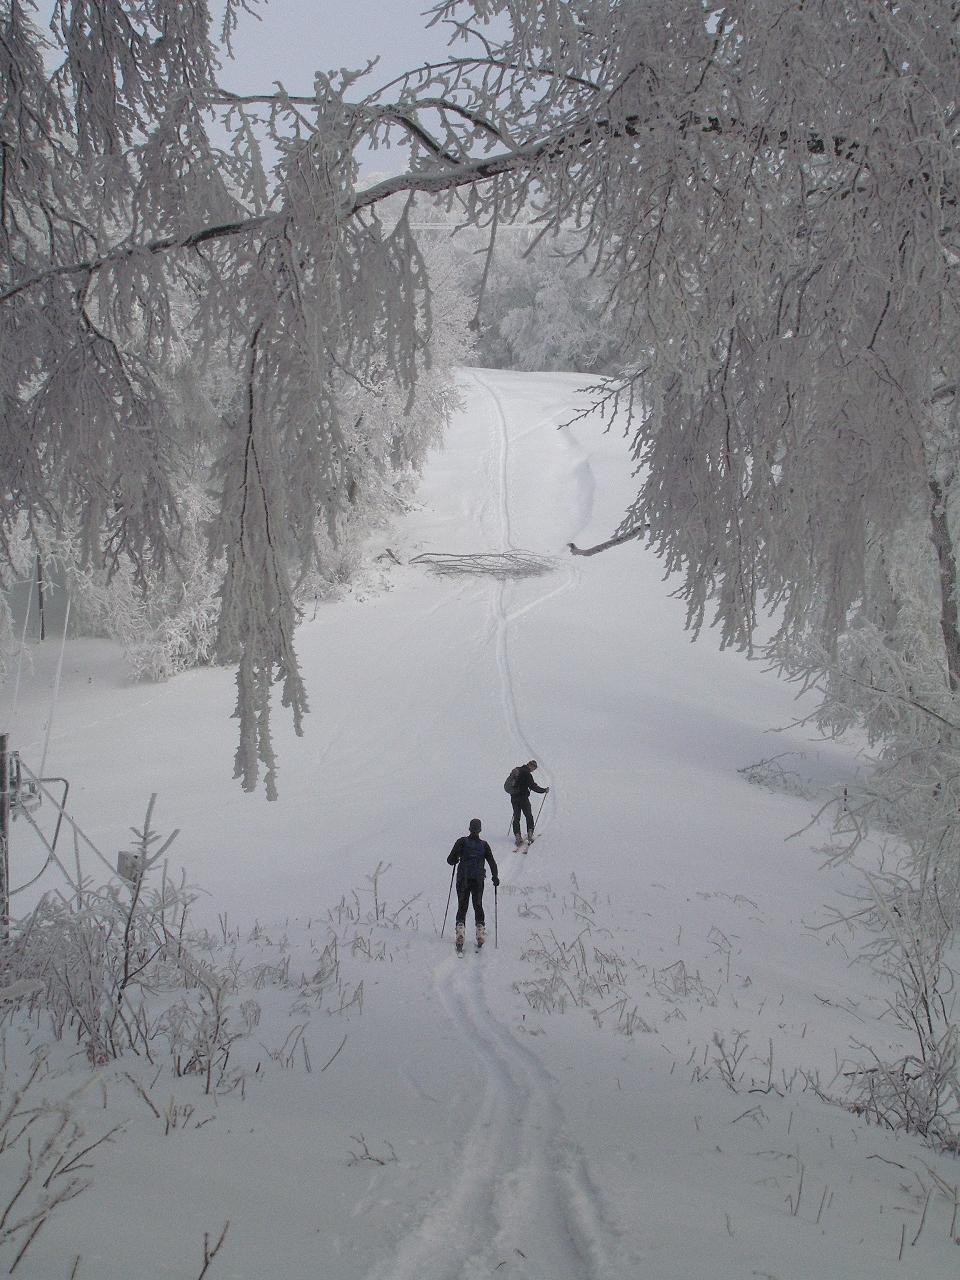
(162,626)
(45,1159)
(116,969)
(920,1091)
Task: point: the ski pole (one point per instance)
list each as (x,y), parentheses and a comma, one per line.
(540,810)
(494,916)
(447,908)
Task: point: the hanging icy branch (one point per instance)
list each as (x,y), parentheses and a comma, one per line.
(778,253)
(562,146)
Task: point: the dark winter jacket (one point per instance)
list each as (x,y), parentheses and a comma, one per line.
(468,855)
(523,784)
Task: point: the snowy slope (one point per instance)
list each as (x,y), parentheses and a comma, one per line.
(631,1083)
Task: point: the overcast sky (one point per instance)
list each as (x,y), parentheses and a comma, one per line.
(295,37)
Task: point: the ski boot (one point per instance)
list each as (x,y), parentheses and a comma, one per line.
(481,936)
(459,938)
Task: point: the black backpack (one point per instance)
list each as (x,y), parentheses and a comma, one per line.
(511,780)
(473,854)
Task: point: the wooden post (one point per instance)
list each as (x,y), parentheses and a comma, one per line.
(4,840)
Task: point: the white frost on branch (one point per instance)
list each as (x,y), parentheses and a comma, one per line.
(767,194)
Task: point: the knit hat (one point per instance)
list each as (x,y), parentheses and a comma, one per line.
(475,825)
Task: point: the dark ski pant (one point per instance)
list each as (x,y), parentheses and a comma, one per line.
(521,805)
(465,890)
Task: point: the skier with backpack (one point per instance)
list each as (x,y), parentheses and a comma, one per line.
(470,855)
(518,786)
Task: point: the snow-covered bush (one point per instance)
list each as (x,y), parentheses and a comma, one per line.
(116,969)
(163,626)
(919,1092)
(45,1158)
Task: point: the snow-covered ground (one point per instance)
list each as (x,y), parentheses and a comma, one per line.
(633,1081)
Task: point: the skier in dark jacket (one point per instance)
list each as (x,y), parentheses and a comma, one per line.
(469,855)
(523,784)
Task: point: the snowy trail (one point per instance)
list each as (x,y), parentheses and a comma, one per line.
(500,587)
(520,1202)
(545,1200)
(503,608)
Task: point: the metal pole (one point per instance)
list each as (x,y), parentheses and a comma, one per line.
(494,916)
(4,840)
(63,809)
(449,892)
(539,811)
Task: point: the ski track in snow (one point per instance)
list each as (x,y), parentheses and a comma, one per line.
(500,586)
(542,1215)
(503,588)
(520,1202)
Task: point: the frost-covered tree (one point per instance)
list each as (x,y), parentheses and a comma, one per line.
(540,308)
(768,192)
(127,235)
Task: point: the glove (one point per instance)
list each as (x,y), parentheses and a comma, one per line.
(545,790)
(496,881)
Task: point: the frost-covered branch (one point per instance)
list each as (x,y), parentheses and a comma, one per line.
(615,541)
(766,198)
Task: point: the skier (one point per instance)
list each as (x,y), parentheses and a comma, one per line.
(468,855)
(523,784)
